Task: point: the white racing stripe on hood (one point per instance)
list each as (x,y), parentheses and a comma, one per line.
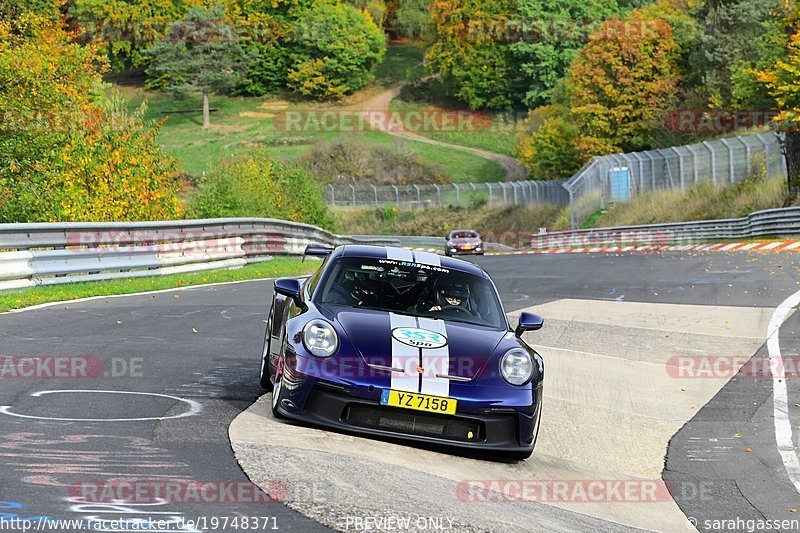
(399,254)
(427,258)
(435,361)
(404,356)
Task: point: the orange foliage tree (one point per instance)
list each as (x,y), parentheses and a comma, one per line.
(623,83)
(66,152)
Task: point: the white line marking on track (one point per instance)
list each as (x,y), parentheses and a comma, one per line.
(780,399)
(194,407)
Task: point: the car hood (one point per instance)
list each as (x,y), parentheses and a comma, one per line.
(469,348)
(460,242)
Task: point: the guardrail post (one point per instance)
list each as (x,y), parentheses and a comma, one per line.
(680,167)
(489,186)
(514,186)
(354,194)
(572,224)
(505,196)
(418,196)
(640,168)
(694,162)
(747,157)
(396,194)
(766,153)
(730,160)
(333,195)
(652,170)
(458,194)
(438,194)
(713,161)
(375,190)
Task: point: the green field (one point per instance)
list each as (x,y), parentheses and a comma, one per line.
(239,123)
(494,132)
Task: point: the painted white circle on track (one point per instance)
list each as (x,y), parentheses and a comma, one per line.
(194,407)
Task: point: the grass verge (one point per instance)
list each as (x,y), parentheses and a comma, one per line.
(279,267)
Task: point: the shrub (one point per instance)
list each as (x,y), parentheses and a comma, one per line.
(547,144)
(335,47)
(345,162)
(256,185)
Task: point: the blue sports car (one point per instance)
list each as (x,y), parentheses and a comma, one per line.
(396,343)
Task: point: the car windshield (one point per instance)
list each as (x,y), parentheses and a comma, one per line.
(464,235)
(413,289)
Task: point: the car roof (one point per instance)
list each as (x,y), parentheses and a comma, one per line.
(464,231)
(406,254)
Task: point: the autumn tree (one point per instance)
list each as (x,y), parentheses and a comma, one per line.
(623,82)
(472,54)
(736,37)
(66,152)
(782,80)
(201,52)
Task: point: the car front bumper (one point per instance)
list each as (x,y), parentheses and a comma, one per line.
(476,425)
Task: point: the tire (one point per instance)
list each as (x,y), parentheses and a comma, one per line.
(277,391)
(266,379)
(448,254)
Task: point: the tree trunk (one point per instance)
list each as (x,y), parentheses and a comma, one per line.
(792,154)
(206,111)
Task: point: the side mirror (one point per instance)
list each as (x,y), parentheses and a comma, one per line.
(289,287)
(528,322)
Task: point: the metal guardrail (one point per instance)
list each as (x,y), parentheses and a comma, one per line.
(769,223)
(46,254)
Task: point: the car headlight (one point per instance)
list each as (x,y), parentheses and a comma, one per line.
(516,366)
(320,338)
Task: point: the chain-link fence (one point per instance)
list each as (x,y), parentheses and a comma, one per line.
(603,180)
(465,194)
(621,177)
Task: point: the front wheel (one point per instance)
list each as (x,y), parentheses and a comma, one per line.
(276,398)
(266,379)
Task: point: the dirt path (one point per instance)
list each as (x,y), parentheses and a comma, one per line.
(379,105)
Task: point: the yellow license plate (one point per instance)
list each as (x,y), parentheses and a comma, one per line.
(419,402)
(467,247)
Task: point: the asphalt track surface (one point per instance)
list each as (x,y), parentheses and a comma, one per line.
(192,358)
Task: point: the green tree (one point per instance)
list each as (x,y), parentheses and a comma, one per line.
(551,34)
(201,52)
(127,28)
(413,19)
(737,37)
(334,49)
(472,54)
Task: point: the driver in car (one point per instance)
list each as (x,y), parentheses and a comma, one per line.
(450,295)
